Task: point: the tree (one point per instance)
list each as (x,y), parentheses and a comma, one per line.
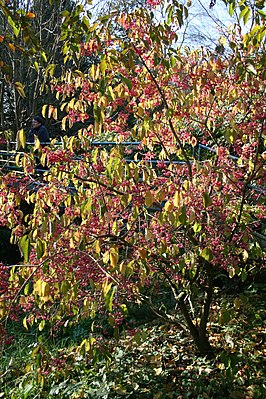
(106,7)
(104,231)
(31,40)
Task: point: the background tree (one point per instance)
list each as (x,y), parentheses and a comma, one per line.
(31,39)
(100,7)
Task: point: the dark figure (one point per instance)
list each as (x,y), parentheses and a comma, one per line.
(38,129)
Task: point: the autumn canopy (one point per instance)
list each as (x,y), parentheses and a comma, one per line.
(157,221)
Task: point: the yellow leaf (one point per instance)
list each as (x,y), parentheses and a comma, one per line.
(51,111)
(44,110)
(110,90)
(20,89)
(97,247)
(168,206)
(186,185)
(45,289)
(149,199)
(18,159)
(158,371)
(64,123)
(22,300)
(177,198)
(37,144)
(140,111)
(72,244)
(25,323)
(142,253)
(43,158)
(55,113)
(21,138)
(113,257)
(106,257)
(125,200)
(106,287)
(41,325)
(148,234)
(222,40)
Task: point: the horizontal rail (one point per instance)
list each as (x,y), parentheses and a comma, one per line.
(8,154)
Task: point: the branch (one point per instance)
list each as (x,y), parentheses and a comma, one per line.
(246,186)
(208,299)
(99,183)
(184,153)
(22,287)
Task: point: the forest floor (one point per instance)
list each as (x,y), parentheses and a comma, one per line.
(158,361)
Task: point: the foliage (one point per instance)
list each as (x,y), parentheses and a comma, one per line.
(158,361)
(33,35)
(104,232)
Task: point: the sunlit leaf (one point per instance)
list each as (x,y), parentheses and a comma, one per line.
(24,245)
(206,254)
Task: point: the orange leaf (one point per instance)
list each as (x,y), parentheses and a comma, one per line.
(11,46)
(30,15)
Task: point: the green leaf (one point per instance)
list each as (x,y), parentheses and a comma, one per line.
(86,22)
(126,81)
(86,208)
(182,217)
(40,248)
(197,227)
(36,65)
(43,56)
(137,338)
(243,12)
(124,309)
(103,65)
(206,254)
(24,245)
(64,287)
(173,61)
(16,29)
(65,13)
(27,289)
(262,13)
(125,199)
(231,9)
(169,10)
(103,210)
(111,93)
(108,299)
(169,113)
(243,275)
(206,200)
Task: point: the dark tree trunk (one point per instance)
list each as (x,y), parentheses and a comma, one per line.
(199,331)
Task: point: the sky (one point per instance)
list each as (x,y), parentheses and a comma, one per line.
(203,24)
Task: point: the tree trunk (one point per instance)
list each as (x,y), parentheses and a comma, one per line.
(199,331)
(202,343)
